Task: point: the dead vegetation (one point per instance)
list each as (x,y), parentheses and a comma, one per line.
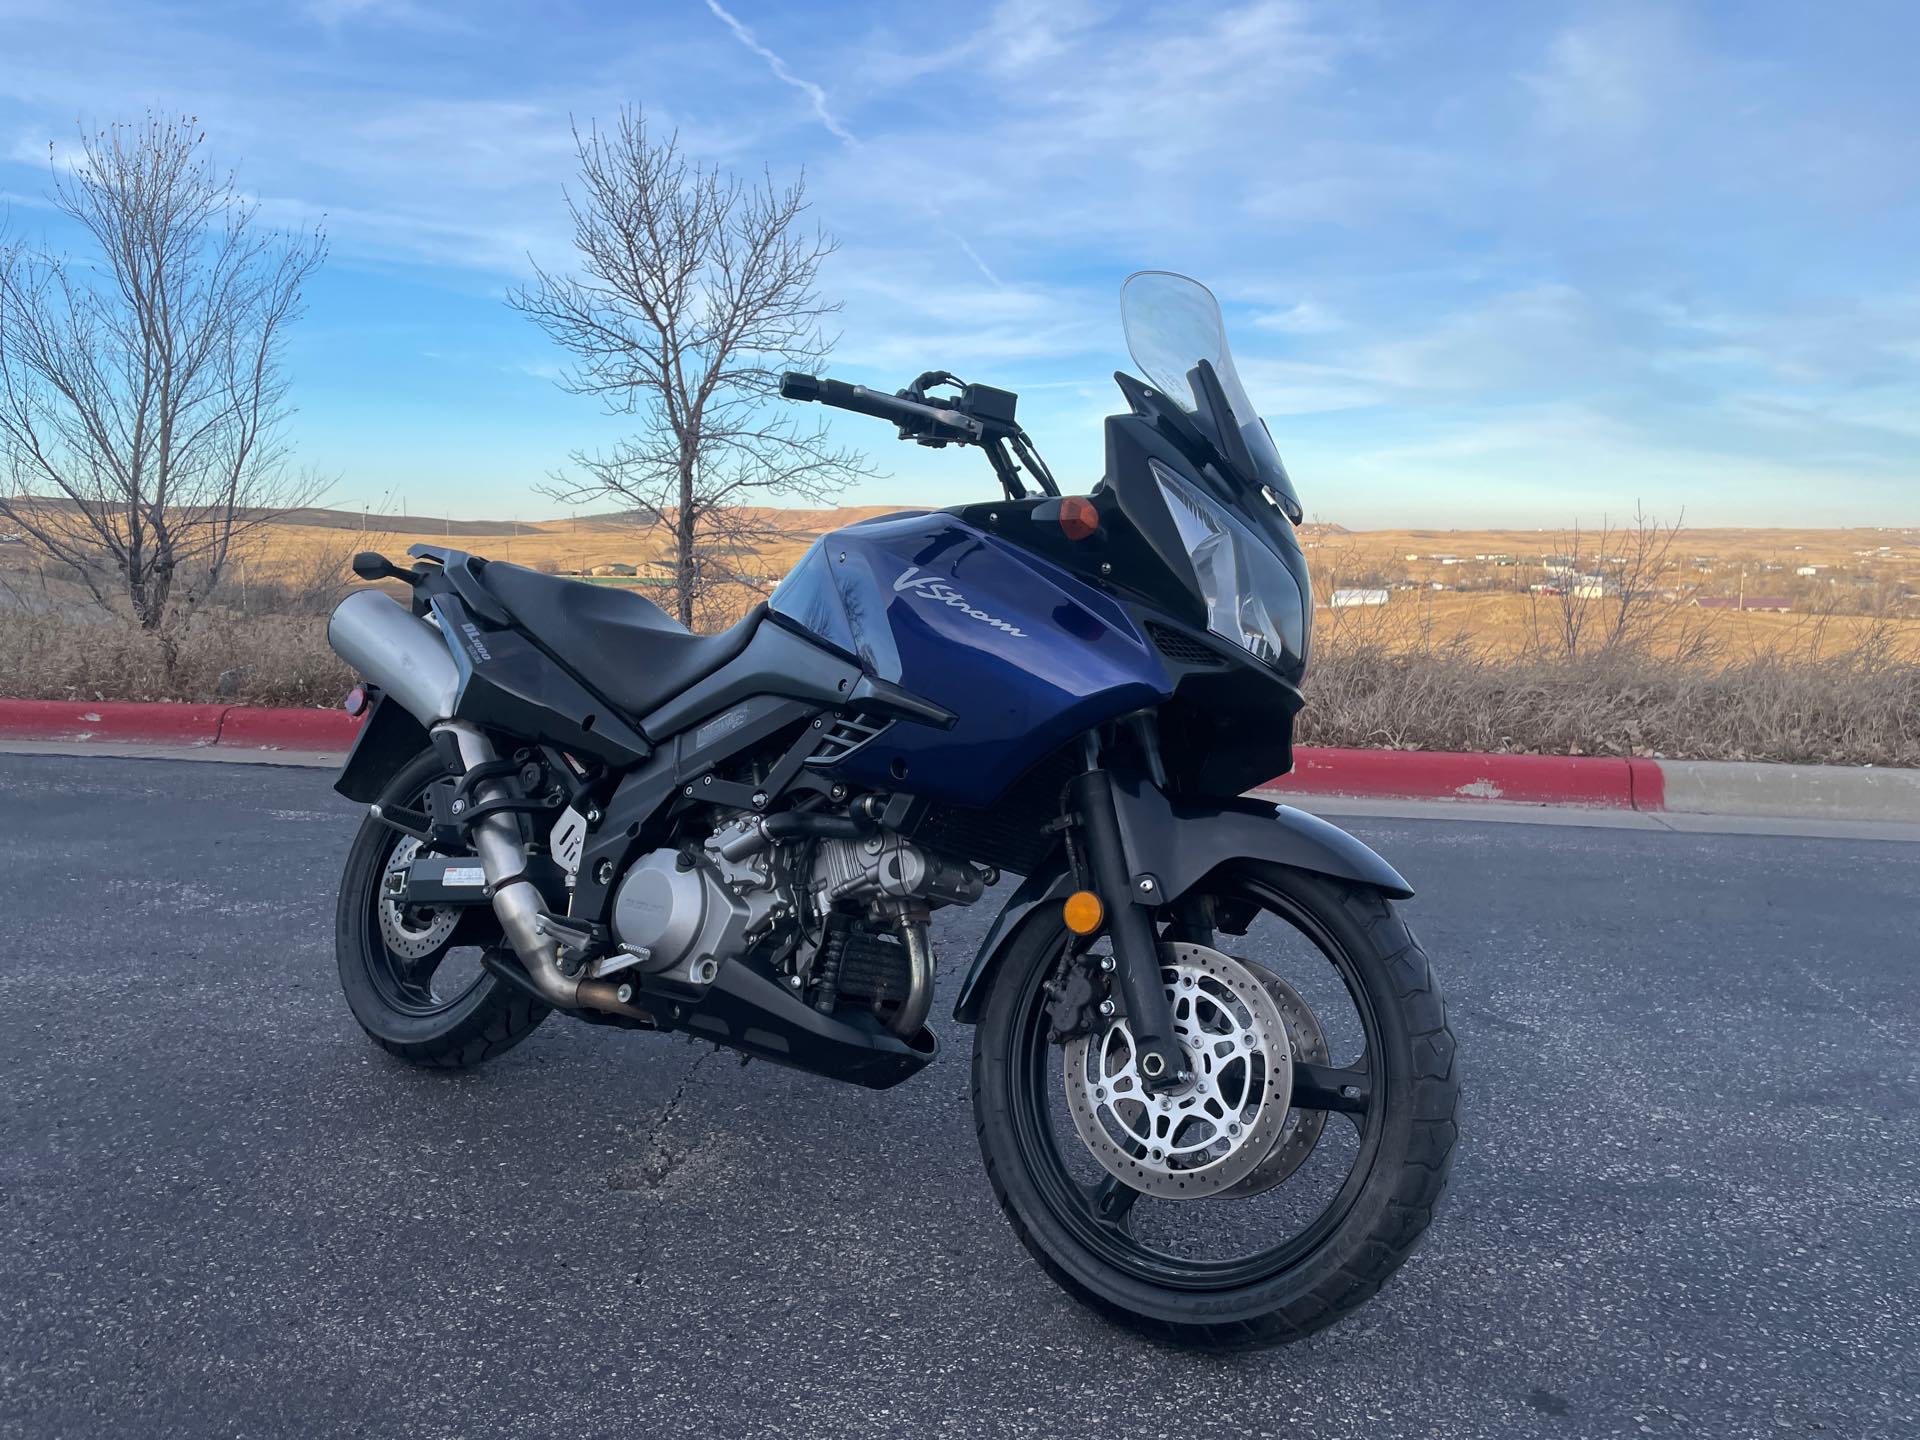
(1378,681)
(1827,690)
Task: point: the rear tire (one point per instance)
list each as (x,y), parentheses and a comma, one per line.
(1405,1151)
(487,1018)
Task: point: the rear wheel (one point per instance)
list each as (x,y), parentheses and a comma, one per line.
(412,975)
(1294,1175)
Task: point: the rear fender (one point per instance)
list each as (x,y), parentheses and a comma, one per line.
(1171,847)
(390,738)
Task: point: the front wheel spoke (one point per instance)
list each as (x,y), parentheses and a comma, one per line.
(1324,1087)
(1113,1201)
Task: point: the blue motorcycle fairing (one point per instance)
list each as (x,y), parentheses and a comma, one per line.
(1178,844)
(1024,653)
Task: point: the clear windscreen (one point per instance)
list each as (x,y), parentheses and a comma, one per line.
(1172,323)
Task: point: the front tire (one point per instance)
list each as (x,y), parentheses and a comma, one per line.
(1272,1289)
(426,1000)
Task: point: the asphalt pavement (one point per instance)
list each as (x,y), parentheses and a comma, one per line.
(1687,1200)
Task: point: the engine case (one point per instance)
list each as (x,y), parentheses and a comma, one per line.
(677,918)
(887,866)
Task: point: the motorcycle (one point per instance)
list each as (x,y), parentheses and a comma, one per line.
(1212,1076)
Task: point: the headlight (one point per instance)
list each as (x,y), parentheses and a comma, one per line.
(1252,599)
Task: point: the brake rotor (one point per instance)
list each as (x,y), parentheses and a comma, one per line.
(1214,1134)
(411,932)
(1303,1127)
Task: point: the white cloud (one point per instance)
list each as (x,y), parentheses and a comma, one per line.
(1303,317)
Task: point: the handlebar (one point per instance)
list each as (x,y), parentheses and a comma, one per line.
(916,417)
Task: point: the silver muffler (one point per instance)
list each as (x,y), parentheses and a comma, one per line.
(398,651)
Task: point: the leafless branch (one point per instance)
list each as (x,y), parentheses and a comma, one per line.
(694,291)
(141,395)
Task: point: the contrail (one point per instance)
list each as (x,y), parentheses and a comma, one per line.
(817,97)
(779,67)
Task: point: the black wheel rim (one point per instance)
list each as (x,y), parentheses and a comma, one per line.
(1078,1207)
(406,986)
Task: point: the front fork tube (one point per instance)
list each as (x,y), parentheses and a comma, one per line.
(1136,948)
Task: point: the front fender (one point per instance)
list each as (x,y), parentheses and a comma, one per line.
(1176,845)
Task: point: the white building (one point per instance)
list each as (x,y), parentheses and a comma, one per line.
(1347,599)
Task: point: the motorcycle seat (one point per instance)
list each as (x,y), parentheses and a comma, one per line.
(620,644)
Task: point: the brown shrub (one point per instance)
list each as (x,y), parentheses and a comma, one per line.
(1373,684)
(1858,707)
(248,659)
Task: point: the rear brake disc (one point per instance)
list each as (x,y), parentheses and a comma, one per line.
(411,932)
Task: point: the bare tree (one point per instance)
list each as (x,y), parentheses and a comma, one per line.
(696,291)
(141,395)
(1608,595)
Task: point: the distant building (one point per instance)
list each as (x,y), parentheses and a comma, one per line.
(1751,602)
(1593,587)
(1347,599)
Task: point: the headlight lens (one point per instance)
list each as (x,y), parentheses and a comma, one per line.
(1252,599)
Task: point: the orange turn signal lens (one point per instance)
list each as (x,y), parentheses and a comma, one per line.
(1083,912)
(1079,519)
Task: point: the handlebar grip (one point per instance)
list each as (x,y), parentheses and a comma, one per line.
(917,416)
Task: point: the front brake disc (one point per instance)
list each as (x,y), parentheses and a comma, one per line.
(1214,1133)
(1302,1130)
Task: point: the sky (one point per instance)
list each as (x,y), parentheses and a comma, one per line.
(1482,263)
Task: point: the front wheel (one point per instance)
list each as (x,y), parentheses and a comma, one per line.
(1280,1189)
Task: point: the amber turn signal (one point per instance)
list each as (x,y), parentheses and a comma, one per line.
(1083,912)
(1079,519)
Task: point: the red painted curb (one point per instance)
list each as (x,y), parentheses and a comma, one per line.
(1597,781)
(122,723)
(266,729)
(1649,784)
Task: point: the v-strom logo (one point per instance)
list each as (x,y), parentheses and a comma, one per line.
(930,588)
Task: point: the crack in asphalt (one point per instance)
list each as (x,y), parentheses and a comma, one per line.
(663,1156)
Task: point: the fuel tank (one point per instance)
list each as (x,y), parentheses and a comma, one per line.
(1024,653)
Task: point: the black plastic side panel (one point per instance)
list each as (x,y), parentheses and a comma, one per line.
(390,738)
(1177,843)
(508,683)
(775,662)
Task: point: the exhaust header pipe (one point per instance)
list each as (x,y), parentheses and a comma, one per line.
(398,651)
